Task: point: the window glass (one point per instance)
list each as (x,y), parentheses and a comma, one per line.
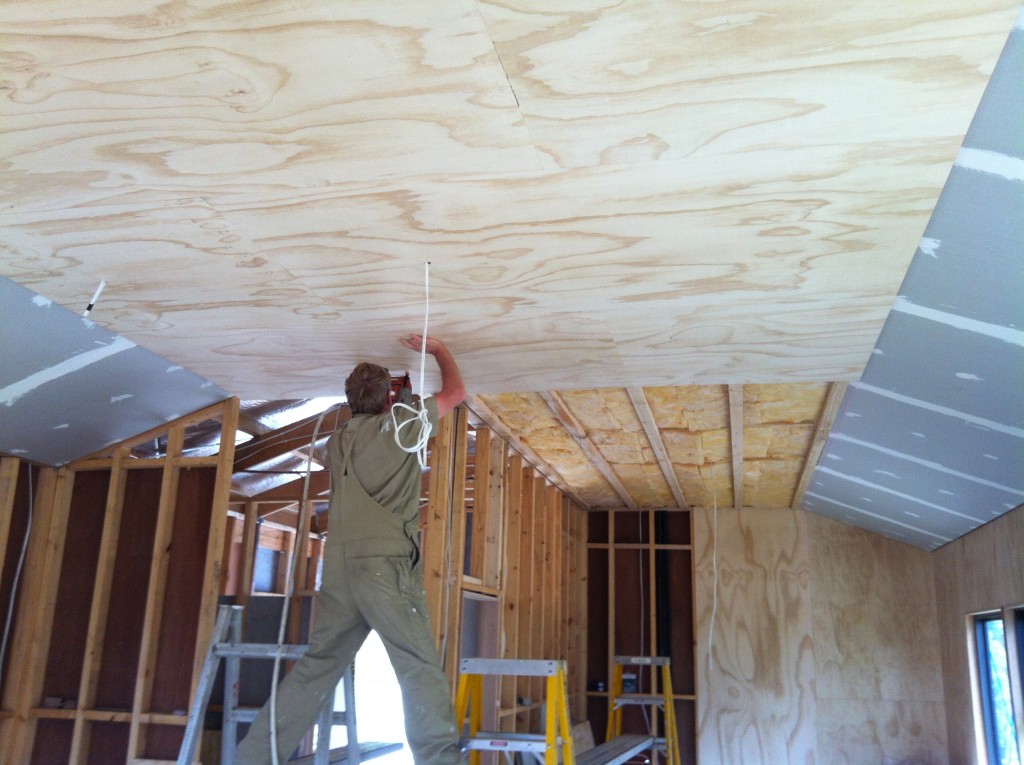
(996,698)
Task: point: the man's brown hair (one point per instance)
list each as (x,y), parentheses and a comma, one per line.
(367,389)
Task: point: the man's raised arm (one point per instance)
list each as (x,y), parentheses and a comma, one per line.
(453,391)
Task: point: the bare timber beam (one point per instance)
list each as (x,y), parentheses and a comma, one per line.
(643,411)
(736,427)
(486,416)
(277,443)
(319,486)
(579,435)
(833,400)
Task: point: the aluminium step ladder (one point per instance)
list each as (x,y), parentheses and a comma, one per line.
(618,699)
(226,644)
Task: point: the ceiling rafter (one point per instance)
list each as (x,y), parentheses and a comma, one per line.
(736,430)
(252,425)
(646,416)
(579,434)
(290,438)
(319,485)
(829,410)
(486,416)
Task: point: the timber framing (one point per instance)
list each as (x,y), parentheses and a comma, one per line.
(505,554)
(125,658)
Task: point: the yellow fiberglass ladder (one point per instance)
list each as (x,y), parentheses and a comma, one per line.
(545,747)
(552,746)
(620,697)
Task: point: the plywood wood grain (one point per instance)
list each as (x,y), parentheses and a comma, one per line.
(611,194)
(756,670)
(876,647)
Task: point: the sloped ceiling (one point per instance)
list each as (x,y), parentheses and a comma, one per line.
(633,195)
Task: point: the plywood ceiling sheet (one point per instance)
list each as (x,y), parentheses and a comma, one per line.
(611,194)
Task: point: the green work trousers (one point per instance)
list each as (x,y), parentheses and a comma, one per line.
(378,592)
(369,582)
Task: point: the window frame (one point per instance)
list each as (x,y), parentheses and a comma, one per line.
(1012,618)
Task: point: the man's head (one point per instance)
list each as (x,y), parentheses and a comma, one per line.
(368,389)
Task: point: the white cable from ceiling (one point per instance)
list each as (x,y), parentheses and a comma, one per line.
(95,298)
(419,413)
(714,571)
(17,572)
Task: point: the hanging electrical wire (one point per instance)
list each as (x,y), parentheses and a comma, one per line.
(419,413)
(714,572)
(17,572)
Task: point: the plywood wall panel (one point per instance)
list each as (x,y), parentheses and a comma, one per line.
(876,647)
(851,732)
(874,616)
(827,640)
(756,688)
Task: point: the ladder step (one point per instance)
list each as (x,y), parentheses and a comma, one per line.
(501,741)
(618,750)
(649,699)
(526,667)
(248,714)
(642,661)
(258,650)
(367,751)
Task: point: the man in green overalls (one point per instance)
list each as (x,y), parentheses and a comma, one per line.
(371,577)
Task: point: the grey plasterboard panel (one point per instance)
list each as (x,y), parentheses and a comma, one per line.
(996,127)
(875,418)
(960,311)
(36,334)
(949,367)
(851,489)
(867,519)
(80,388)
(971,260)
(931,483)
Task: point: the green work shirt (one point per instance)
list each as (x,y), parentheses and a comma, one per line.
(391,476)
